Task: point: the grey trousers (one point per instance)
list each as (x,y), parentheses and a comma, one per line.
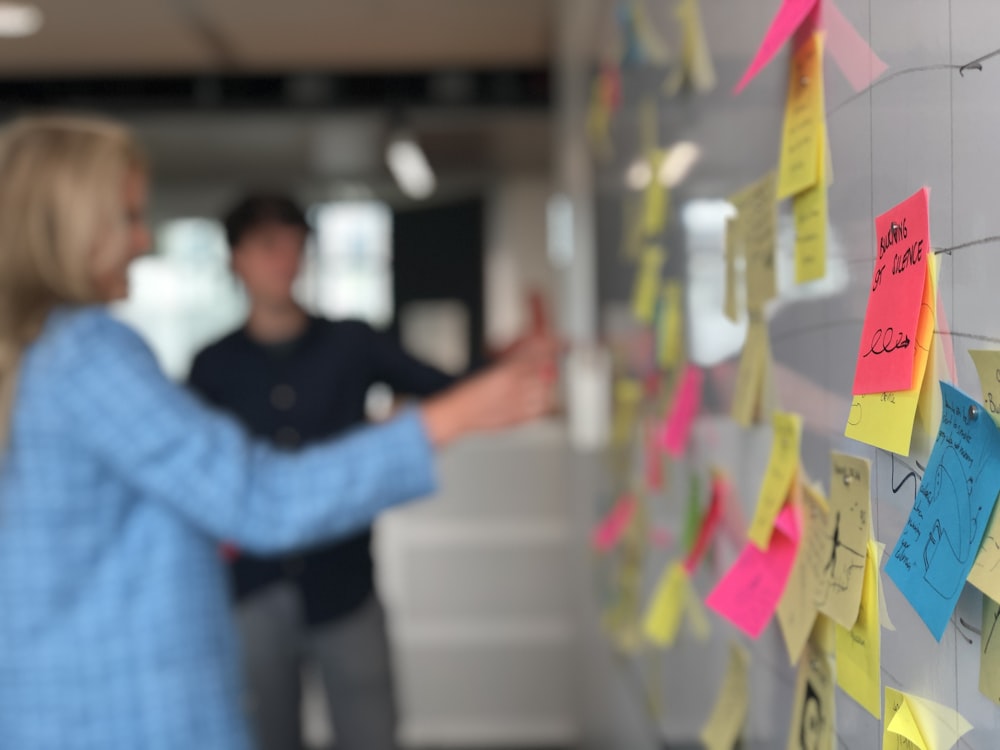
(351,655)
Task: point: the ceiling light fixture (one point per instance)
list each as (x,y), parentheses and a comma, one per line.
(19,20)
(678,163)
(410,167)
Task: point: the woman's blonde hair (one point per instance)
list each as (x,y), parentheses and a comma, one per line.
(62,220)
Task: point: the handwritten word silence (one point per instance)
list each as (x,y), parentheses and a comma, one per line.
(901,261)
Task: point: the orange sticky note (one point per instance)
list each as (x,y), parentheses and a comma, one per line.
(611,529)
(686,404)
(748,593)
(888,340)
(790,16)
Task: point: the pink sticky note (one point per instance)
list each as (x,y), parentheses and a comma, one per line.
(610,530)
(709,524)
(748,593)
(886,353)
(790,16)
(858,62)
(685,407)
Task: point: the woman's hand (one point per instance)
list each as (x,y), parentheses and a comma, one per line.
(521,387)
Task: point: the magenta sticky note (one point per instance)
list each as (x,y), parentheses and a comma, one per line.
(685,407)
(790,16)
(856,60)
(610,530)
(749,592)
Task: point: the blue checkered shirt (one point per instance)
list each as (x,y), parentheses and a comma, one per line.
(115,630)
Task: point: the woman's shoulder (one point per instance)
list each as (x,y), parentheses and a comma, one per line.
(80,335)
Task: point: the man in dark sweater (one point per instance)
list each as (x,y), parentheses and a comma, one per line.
(295,379)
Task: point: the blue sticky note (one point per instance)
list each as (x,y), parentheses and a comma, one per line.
(940,541)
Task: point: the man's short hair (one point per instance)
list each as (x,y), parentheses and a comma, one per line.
(259,209)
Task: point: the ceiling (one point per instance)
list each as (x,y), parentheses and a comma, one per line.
(83,37)
(110,49)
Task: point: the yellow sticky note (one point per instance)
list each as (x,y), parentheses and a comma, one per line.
(810,211)
(663,618)
(670,348)
(696,66)
(734,250)
(656,199)
(752,375)
(901,730)
(631,241)
(850,530)
(697,617)
(989,652)
(599,121)
(778,478)
(814,710)
(725,725)
(883,607)
(985,573)
(647,283)
(758,223)
(885,420)
(914,722)
(802,149)
(797,609)
(628,395)
(859,647)
(988,366)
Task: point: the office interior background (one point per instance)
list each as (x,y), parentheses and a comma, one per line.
(447,152)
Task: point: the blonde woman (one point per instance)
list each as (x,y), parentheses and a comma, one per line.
(115,486)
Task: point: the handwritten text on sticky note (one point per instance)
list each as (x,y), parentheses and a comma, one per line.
(885,420)
(850,524)
(938,546)
(923,723)
(802,148)
(886,353)
(757,220)
(749,591)
(797,609)
(985,573)
(809,209)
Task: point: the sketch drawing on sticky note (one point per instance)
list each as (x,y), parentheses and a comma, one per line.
(954,530)
(813,720)
(839,570)
(916,475)
(841,565)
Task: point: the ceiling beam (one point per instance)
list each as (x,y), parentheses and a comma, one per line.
(522,88)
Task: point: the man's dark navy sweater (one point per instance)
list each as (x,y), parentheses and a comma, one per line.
(296,393)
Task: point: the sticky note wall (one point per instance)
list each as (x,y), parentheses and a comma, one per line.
(836,248)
